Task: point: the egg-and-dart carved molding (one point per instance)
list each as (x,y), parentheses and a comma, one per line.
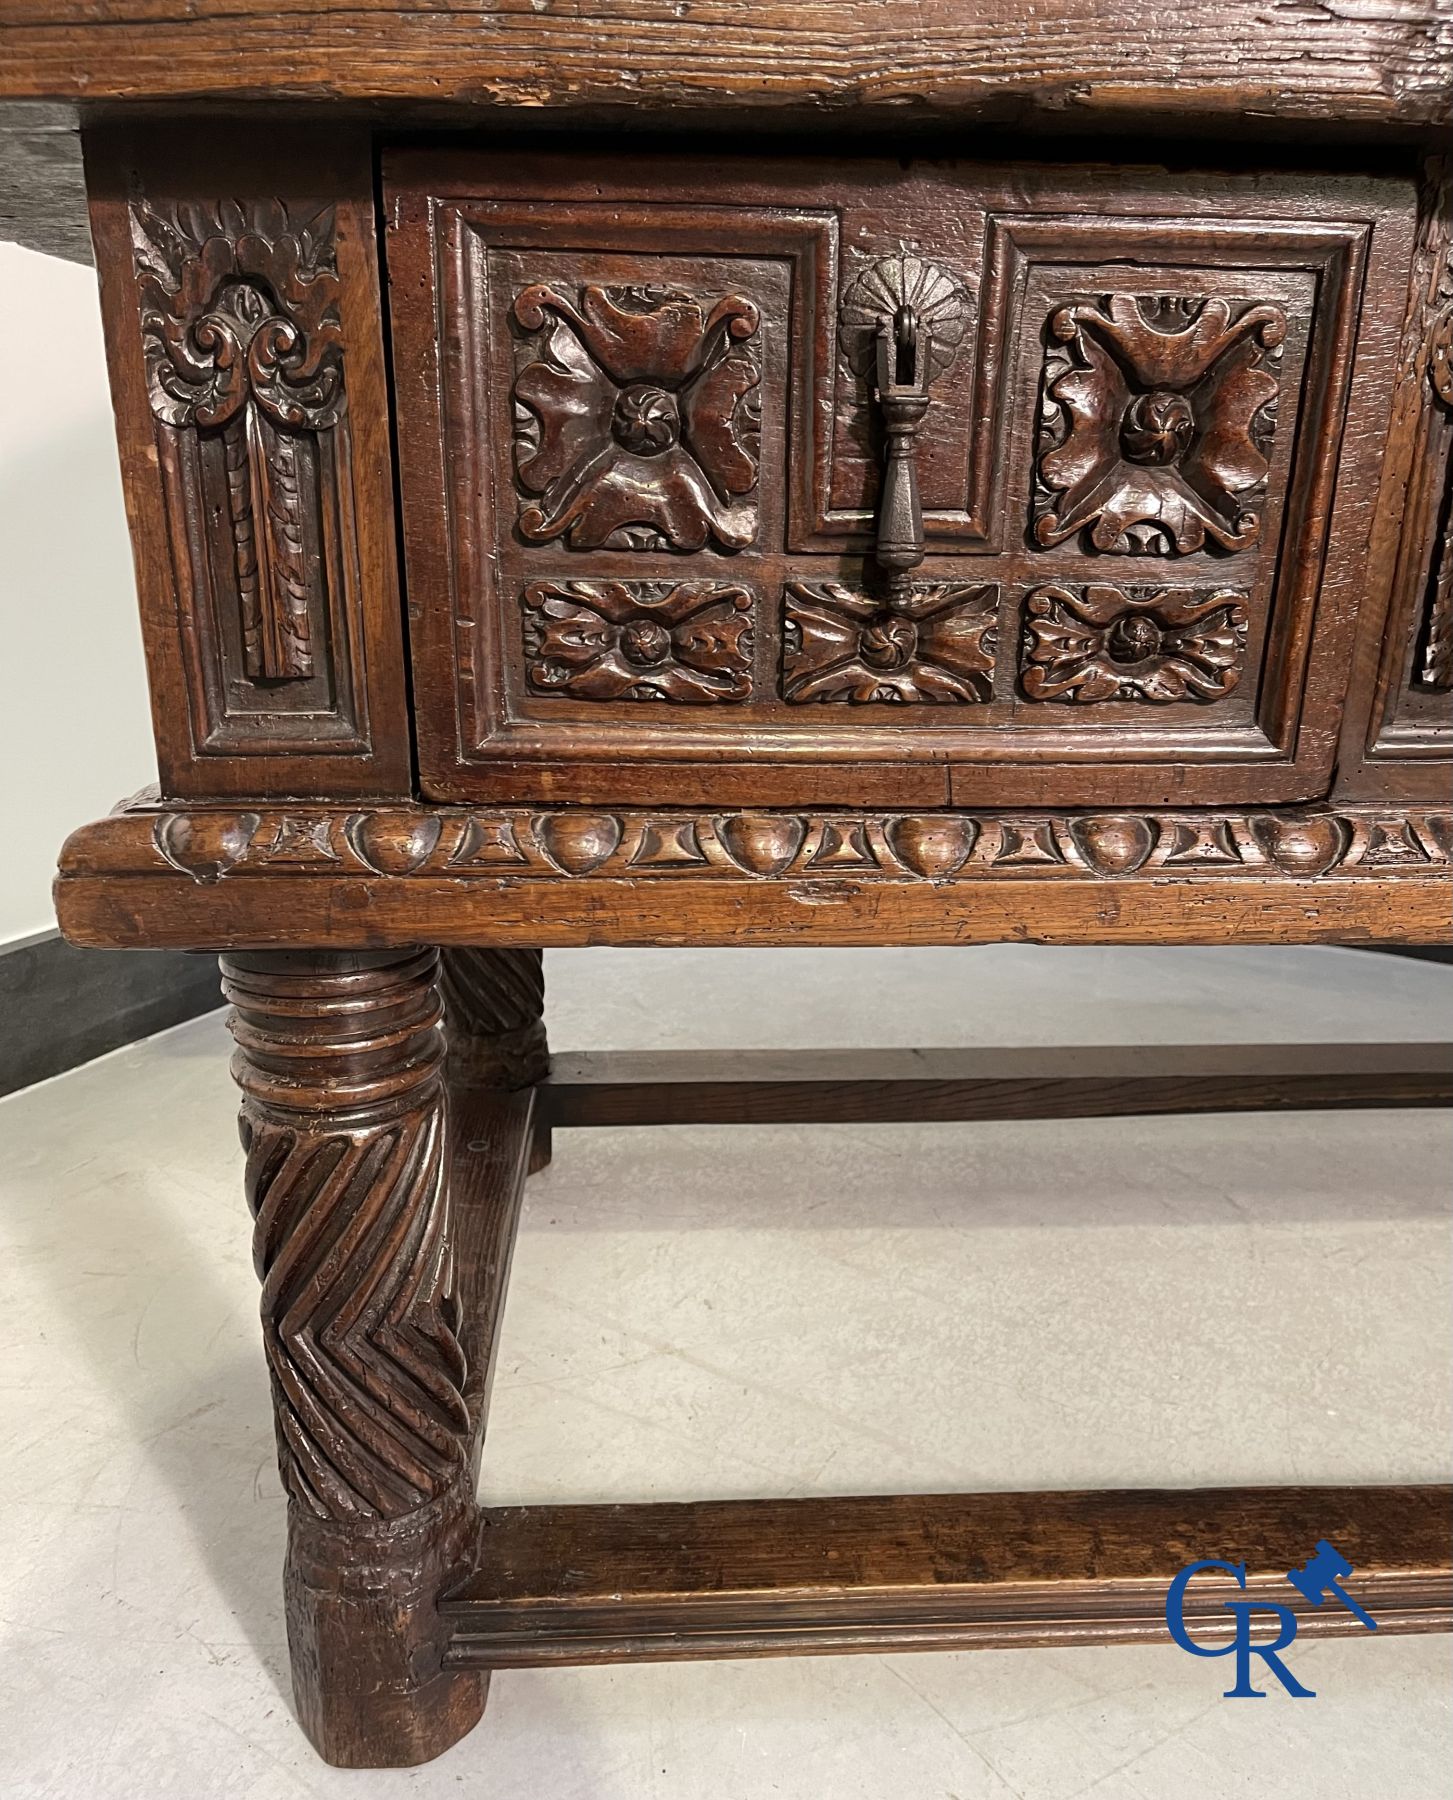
(521,843)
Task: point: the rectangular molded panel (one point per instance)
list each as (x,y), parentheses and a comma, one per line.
(1398,736)
(640,467)
(243,316)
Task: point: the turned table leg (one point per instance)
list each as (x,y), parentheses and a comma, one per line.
(344,1117)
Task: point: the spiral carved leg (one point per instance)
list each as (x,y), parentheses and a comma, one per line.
(493,1002)
(340,1060)
(493,1006)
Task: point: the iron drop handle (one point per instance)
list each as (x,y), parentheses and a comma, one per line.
(901,388)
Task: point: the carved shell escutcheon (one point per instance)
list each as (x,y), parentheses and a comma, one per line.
(760,843)
(933,845)
(578,842)
(936,297)
(1114,844)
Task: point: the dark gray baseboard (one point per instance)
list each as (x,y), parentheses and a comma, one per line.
(1442,953)
(60,1006)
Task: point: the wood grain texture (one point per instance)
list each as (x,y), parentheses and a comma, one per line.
(42,180)
(594,1584)
(698,1087)
(1075,62)
(492,1135)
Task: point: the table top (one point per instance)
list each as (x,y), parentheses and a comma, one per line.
(1069,63)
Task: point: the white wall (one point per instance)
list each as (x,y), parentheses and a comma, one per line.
(75,733)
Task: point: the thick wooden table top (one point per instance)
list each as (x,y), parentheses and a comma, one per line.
(1070,61)
(1330,72)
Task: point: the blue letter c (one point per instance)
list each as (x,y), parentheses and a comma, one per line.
(1175,1600)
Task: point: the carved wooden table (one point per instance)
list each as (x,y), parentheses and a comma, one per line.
(980,538)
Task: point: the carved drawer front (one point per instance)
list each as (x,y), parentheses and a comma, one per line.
(769,482)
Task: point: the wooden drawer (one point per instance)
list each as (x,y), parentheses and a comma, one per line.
(642,435)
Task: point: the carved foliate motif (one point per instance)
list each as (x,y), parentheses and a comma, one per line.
(936,642)
(1105,643)
(686,641)
(1156,421)
(638,419)
(242,341)
(343,1125)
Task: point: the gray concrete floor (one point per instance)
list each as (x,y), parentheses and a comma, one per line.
(748,1311)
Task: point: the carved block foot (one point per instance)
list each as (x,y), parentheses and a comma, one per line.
(340,1060)
(365,1637)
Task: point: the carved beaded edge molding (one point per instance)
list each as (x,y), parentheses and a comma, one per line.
(522,843)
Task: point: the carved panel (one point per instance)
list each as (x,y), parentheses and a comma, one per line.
(239,305)
(343,1125)
(684,641)
(1106,643)
(549,537)
(239,322)
(637,423)
(935,644)
(1157,417)
(1435,650)
(1409,723)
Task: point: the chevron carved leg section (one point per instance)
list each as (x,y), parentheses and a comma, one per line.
(493,1002)
(340,1061)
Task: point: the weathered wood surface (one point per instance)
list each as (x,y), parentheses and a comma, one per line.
(592,1584)
(1075,62)
(42,183)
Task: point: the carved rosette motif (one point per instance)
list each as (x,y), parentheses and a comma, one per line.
(1104,643)
(934,643)
(1156,421)
(517,843)
(343,1119)
(686,641)
(638,418)
(242,343)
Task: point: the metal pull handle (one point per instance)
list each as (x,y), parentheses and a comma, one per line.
(901,388)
